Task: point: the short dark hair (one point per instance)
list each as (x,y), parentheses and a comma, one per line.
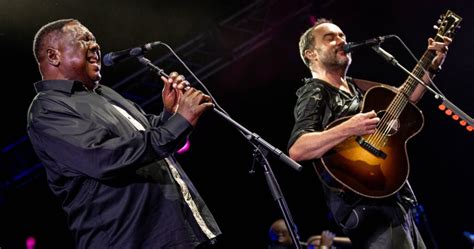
(45,31)
(307,39)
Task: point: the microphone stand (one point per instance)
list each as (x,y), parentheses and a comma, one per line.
(391,59)
(262,148)
(388,57)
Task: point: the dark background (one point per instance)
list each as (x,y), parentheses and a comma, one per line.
(257,89)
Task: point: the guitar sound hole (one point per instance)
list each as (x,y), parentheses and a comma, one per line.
(393,126)
(388,127)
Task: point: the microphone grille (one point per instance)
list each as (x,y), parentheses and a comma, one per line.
(347,47)
(107,60)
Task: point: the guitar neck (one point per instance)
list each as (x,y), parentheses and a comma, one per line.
(408,87)
(448,24)
(410,84)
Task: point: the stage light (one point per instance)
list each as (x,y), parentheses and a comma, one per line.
(456,117)
(30,242)
(185,148)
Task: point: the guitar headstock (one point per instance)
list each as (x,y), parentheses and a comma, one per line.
(448,24)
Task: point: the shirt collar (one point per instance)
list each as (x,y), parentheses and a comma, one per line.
(68,86)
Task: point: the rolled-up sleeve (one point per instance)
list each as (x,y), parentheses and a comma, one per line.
(309,111)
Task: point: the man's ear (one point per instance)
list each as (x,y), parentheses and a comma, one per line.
(53,56)
(310,54)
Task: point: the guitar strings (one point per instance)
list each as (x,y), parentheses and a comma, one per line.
(402,99)
(378,139)
(380,134)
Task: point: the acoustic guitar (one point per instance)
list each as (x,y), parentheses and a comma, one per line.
(377,165)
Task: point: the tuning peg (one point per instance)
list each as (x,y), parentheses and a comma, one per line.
(435,27)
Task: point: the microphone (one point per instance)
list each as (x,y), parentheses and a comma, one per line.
(351,46)
(115,57)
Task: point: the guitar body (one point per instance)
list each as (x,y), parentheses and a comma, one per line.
(359,168)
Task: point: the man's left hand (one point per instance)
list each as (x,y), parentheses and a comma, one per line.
(441,49)
(173,89)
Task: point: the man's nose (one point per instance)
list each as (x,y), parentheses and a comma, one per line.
(341,40)
(93,45)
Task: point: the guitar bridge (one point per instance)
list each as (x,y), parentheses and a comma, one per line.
(370,148)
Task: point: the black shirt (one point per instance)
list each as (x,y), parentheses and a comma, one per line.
(114,185)
(320,103)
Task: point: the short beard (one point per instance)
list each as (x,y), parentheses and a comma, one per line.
(337,63)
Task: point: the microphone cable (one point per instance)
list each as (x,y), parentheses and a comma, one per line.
(195,77)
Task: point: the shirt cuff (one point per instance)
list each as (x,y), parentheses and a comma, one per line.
(177,125)
(165,115)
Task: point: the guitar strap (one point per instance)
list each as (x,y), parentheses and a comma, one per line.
(364,85)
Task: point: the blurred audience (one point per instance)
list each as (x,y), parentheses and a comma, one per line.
(280,239)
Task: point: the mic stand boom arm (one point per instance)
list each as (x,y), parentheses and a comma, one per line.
(262,148)
(388,57)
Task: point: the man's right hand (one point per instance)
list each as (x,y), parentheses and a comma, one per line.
(327,238)
(192,104)
(362,124)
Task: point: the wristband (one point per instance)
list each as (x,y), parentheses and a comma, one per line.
(433,70)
